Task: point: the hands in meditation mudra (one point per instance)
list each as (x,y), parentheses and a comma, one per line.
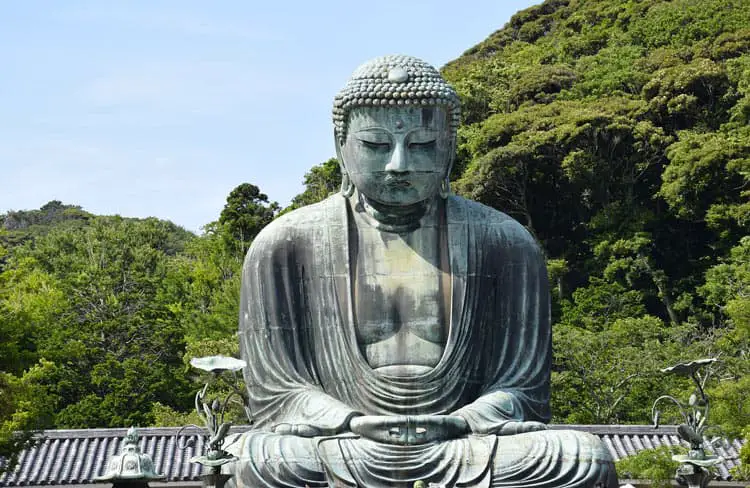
(395,332)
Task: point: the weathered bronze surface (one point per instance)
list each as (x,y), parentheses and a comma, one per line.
(395,333)
(131,468)
(696,468)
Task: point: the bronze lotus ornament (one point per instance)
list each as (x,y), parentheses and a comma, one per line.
(695,467)
(213,411)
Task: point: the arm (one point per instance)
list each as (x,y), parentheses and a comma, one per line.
(515,327)
(284,393)
(497,413)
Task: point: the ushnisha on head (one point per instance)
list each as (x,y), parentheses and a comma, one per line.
(394,80)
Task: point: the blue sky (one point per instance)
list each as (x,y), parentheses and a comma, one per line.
(160,108)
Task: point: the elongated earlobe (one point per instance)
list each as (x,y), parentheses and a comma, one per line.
(347,187)
(445,187)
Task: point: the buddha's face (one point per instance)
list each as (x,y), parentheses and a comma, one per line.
(397,155)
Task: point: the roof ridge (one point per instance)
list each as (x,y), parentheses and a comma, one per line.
(76,456)
(121,431)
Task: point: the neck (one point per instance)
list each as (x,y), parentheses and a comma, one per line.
(397,219)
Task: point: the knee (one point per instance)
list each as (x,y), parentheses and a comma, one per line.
(585,444)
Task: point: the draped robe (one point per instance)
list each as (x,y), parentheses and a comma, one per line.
(305,367)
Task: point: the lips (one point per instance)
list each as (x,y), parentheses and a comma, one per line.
(397,183)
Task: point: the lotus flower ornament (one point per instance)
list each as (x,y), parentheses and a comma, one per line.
(694,470)
(212,412)
(218,364)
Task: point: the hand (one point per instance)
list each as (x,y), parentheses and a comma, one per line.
(513,427)
(409,430)
(300,430)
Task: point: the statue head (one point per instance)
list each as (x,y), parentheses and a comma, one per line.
(395,125)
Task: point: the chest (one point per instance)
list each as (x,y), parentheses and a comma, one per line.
(400,285)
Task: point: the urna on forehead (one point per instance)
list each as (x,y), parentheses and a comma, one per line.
(393,81)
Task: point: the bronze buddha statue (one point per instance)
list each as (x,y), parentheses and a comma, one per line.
(395,332)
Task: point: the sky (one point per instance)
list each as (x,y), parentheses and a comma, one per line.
(160,108)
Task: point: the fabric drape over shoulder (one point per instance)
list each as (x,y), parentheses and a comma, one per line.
(297,331)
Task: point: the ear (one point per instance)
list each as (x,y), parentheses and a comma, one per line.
(337,144)
(451,156)
(347,188)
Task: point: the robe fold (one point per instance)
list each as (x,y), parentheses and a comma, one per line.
(305,367)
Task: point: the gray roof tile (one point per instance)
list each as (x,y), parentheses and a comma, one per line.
(75,457)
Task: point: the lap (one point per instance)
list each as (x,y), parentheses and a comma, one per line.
(268,459)
(554,459)
(551,458)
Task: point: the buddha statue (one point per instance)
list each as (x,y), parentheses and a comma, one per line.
(396,333)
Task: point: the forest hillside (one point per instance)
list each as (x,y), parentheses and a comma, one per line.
(616,132)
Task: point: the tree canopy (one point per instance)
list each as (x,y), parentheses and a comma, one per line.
(617,132)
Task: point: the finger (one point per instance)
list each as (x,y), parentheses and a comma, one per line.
(300,430)
(459,424)
(307,431)
(355,424)
(284,429)
(532,426)
(512,428)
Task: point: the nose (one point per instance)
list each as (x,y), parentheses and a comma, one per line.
(397,162)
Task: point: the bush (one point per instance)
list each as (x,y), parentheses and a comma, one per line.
(652,464)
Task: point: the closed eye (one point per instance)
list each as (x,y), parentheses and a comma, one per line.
(422,144)
(376,145)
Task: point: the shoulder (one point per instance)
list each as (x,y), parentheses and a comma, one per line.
(493,224)
(306,224)
(305,217)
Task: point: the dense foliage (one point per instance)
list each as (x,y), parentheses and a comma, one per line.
(99,315)
(616,132)
(651,464)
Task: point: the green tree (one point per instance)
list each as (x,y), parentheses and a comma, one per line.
(707,178)
(651,464)
(617,133)
(320,182)
(26,406)
(201,286)
(727,297)
(742,471)
(611,376)
(91,294)
(245,214)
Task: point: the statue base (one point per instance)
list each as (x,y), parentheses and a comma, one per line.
(215,480)
(693,476)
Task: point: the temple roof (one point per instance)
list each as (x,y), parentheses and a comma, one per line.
(76,457)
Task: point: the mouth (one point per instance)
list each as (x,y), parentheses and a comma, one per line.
(398,183)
